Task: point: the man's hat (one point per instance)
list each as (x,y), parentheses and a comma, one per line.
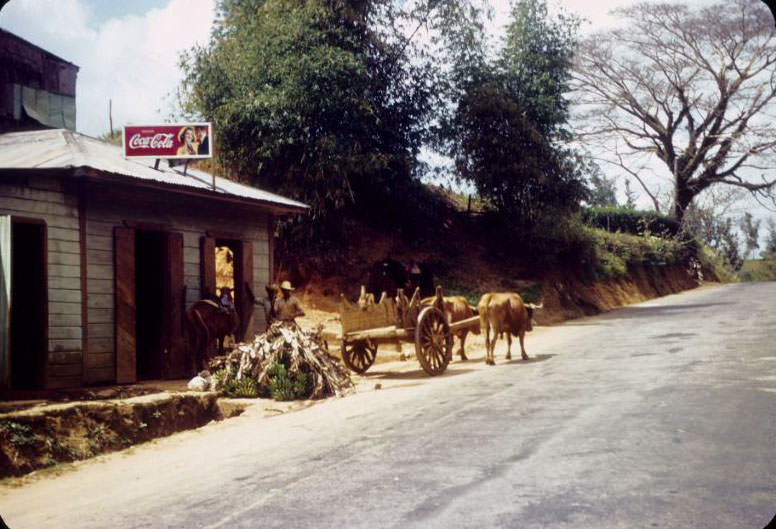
(286,285)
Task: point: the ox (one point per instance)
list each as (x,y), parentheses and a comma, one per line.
(504,312)
(457,308)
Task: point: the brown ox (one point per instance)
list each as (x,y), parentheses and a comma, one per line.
(457,308)
(206,321)
(504,312)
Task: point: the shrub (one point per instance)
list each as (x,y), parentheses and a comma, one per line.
(618,219)
(615,252)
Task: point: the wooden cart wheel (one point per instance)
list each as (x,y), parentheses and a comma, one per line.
(433,341)
(359,355)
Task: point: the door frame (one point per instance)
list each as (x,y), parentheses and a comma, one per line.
(174,365)
(41,376)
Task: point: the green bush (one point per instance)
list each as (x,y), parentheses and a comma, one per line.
(619,219)
(614,253)
(18,434)
(759,269)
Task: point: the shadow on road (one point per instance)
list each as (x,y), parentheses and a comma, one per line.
(410,375)
(532,359)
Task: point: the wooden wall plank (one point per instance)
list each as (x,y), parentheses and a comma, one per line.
(64,333)
(175,363)
(40,208)
(59,270)
(65,382)
(64,320)
(65,357)
(126,360)
(65,296)
(64,283)
(60,345)
(64,308)
(99,360)
(100,375)
(98,316)
(102,345)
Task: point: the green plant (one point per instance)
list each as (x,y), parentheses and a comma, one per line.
(285,385)
(622,219)
(18,434)
(245,387)
(99,432)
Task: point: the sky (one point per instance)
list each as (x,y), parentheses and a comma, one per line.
(128,50)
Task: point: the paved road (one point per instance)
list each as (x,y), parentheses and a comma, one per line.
(662,414)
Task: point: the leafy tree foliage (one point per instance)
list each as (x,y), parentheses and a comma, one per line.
(717,232)
(505,134)
(751,230)
(770,242)
(314,99)
(691,87)
(602,190)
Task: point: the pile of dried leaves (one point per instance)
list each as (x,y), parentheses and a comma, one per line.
(284,363)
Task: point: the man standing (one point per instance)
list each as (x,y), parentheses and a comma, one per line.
(204,142)
(287,307)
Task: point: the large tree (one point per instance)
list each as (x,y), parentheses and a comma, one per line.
(507,130)
(691,87)
(318,99)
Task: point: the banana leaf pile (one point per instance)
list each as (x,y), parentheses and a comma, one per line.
(285,362)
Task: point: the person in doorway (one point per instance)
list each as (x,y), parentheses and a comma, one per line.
(204,142)
(287,306)
(268,303)
(225,301)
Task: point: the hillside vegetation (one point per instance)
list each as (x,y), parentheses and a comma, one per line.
(333,103)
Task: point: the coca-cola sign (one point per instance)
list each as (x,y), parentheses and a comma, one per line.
(180,140)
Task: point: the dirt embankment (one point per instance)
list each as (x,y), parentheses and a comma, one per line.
(42,436)
(566,299)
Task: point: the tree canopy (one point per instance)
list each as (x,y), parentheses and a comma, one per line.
(693,88)
(310,98)
(508,125)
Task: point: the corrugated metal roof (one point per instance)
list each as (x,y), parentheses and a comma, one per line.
(65,149)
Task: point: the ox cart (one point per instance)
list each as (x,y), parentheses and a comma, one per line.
(367,324)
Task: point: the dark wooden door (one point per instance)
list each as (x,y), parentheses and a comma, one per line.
(207,260)
(126,344)
(173,353)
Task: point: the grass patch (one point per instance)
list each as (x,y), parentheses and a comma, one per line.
(758,270)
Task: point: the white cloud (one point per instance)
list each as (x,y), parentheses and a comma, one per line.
(131,60)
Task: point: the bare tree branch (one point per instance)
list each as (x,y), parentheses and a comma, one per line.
(693,87)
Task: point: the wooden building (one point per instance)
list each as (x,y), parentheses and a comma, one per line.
(100,255)
(37,88)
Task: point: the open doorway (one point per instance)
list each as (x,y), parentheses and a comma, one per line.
(29,311)
(149,304)
(216,250)
(225,278)
(150,266)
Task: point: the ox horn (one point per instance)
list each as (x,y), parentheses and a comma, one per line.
(534,306)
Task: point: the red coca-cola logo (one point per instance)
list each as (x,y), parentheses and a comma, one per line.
(157,141)
(183,140)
